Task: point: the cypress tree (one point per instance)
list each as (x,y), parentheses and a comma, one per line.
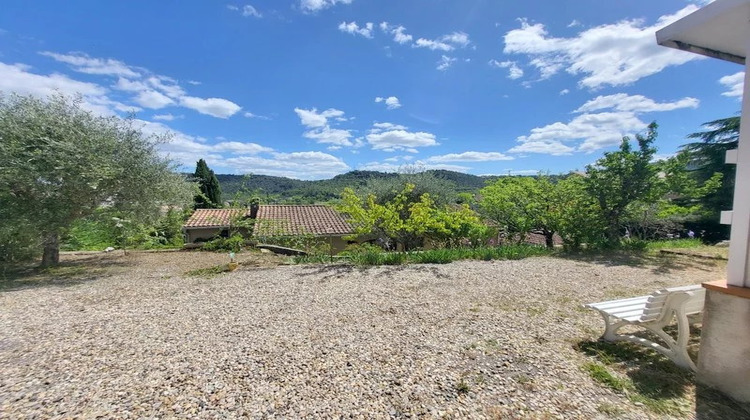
(210,196)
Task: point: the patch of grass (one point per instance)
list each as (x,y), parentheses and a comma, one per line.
(673,243)
(462,387)
(645,376)
(610,409)
(208,272)
(601,374)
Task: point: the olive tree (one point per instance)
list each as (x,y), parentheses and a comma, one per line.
(61,163)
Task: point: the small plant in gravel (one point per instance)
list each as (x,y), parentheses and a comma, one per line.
(462,387)
(209,272)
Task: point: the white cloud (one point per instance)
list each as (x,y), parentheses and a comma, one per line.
(735,83)
(251,115)
(194,82)
(564,92)
(634,103)
(312,6)
(399,33)
(445,43)
(320,129)
(18,79)
(514,72)
(215,107)
(354,29)
(300,165)
(391,102)
(470,157)
(391,137)
(378,127)
(574,23)
(328,135)
(167,117)
(445,63)
(85,64)
(417,166)
(311,118)
(246,10)
(593,129)
(152,99)
(151,90)
(613,54)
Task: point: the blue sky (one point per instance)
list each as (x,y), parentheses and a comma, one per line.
(313,88)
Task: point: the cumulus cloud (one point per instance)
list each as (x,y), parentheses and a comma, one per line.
(391,102)
(445,43)
(613,54)
(299,165)
(391,137)
(19,79)
(635,103)
(735,84)
(215,107)
(418,166)
(167,117)
(399,33)
(320,129)
(312,6)
(445,63)
(470,157)
(85,64)
(514,72)
(354,29)
(246,10)
(564,92)
(150,90)
(603,122)
(152,99)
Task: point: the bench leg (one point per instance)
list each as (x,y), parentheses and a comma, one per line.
(610,327)
(676,350)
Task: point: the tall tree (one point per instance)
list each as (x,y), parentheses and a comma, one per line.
(520,205)
(708,158)
(60,163)
(621,178)
(210,190)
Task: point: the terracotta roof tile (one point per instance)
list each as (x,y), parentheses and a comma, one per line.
(279,220)
(284,220)
(212,217)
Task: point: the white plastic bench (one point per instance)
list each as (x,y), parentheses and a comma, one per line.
(654,312)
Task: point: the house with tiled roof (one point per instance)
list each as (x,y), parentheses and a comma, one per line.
(272,221)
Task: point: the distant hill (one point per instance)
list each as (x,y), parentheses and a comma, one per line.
(274,189)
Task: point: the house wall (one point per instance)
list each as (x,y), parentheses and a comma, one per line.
(192,235)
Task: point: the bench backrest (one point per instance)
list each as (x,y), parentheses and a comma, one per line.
(657,301)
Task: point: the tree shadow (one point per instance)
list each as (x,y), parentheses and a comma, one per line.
(658,383)
(65,274)
(657,263)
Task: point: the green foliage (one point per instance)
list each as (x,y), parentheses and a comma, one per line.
(621,178)
(61,163)
(210,190)
(707,157)
(313,245)
(407,220)
(232,244)
(601,374)
(209,272)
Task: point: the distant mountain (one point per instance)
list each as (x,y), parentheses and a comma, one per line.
(274,189)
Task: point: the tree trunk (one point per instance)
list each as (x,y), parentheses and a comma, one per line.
(51,250)
(549,239)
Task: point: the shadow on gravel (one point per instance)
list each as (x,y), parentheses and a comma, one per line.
(67,273)
(652,380)
(659,264)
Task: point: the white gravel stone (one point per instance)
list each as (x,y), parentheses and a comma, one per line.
(463,340)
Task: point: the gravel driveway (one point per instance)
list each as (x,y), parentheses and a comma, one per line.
(463,340)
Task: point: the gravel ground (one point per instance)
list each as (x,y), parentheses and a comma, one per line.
(139,339)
